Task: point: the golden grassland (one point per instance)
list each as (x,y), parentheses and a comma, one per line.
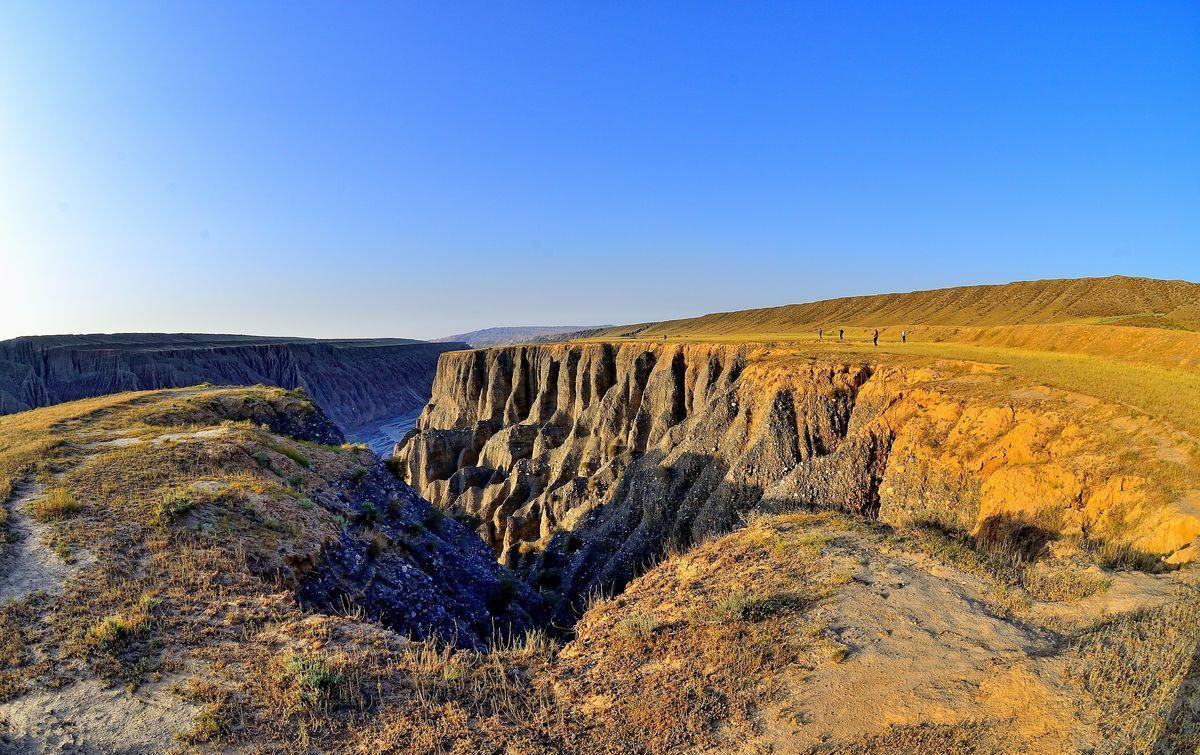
(1133,341)
(1170,394)
(1137,302)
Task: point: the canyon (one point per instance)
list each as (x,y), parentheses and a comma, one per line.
(362,384)
(590,459)
(636,541)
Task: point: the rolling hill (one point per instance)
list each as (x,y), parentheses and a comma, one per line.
(1116,300)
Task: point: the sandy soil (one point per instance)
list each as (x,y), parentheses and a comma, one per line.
(90,719)
(30,565)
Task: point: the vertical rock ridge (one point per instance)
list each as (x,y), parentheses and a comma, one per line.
(587,460)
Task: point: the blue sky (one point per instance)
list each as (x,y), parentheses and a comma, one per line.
(418,169)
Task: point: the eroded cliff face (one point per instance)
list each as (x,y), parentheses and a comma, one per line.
(583,462)
(355,382)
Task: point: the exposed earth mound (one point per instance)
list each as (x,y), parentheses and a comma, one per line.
(170,539)
(358,383)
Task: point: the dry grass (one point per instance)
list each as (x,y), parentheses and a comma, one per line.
(54,506)
(1063,582)
(1022,302)
(639,626)
(193,543)
(1171,395)
(1020,571)
(704,639)
(1141,670)
(185,536)
(928,739)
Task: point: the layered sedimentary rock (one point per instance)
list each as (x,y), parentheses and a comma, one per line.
(356,383)
(583,462)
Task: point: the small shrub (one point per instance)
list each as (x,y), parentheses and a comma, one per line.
(432,518)
(55,506)
(548,579)
(1123,557)
(467,519)
(306,504)
(172,508)
(63,550)
(313,682)
(1013,539)
(733,607)
(506,590)
(211,723)
(296,481)
(838,653)
(358,475)
(370,515)
(113,633)
(572,543)
(216,717)
(1063,583)
(294,455)
(639,626)
(378,544)
(108,634)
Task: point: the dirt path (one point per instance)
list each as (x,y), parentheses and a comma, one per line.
(29,565)
(86,717)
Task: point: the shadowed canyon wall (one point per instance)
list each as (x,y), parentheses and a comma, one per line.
(355,382)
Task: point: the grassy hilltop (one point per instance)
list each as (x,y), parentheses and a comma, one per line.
(1134,341)
(1117,300)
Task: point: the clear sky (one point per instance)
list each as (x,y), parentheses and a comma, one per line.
(418,169)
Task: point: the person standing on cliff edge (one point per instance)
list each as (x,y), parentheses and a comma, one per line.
(875,336)
(821,333)
(904,336)
(841,332)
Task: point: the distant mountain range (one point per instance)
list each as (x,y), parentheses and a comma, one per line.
(504,336)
